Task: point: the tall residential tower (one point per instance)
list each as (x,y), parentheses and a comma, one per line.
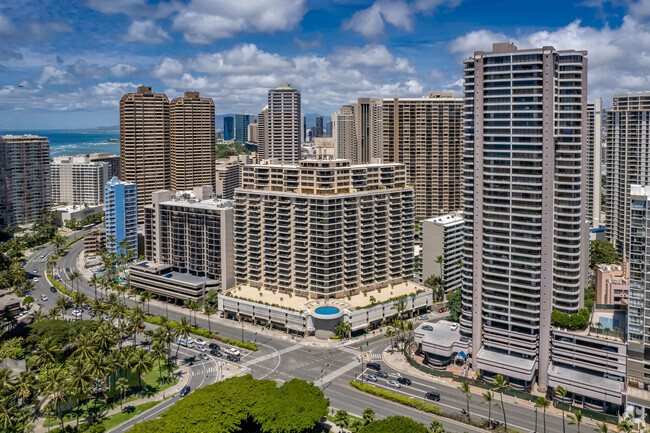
(282,126)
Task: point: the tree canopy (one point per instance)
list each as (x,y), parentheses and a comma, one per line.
(393,424)
(454,305)
(244,404)
(602,252)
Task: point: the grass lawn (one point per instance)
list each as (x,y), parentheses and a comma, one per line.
(119,418)
(331,418)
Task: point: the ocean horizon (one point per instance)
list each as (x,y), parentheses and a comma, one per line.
(67,142)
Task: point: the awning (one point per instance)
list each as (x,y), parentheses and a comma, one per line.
(295,328)
(461,355)
(360,326)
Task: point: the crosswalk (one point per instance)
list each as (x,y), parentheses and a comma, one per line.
(270,355)
(349,350)
(337,373)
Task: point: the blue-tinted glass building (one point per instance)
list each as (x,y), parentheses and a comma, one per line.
(228,128)
(121,215)
(241,127)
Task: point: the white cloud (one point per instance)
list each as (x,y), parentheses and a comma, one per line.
(168,68)
(6,26)
(122,69)
(373,55)
(203,21)
(147,32)
(54,76)
(245,58)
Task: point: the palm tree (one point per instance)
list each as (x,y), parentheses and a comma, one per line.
(501,384)
(38,315)
(78,380)
(343,329)
(78,300)
(48,352)
(159,354)
(137,322)
(440,260)
(436,427)
(146,297)
(342,418)
(625,425)
(209,310)
(58,241)
(122,386)
(576,418)
(98,308)
(103,337)
(25,386)
(53,380)
(85,346)
(7,381)
(166,334)
(8,412)
(94,280)
(73,276)
(193,306)
(488,398)
(368,415)
(468,395)
(400,306)
(142,365)
(62,305)
(602,428)
(543,403)
(98,369)
(561,392)
(183,332)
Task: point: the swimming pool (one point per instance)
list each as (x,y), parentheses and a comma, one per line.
(327,310)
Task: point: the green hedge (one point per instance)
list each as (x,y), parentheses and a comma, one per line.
(397,398)
(58,286)
(243,344)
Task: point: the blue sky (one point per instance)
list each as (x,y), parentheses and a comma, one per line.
(66,63)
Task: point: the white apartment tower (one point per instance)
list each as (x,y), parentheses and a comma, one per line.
(628,161)
(526,248)
(282,125)
(594,160)
(78,180)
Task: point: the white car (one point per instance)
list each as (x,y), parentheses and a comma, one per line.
(44,297)
(190,340)
(454,326)
(201,348)
(393,383)
(200,341)
(36,280)
(423,317)
(232,351)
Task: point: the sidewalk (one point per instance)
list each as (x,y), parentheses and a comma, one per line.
(183,374)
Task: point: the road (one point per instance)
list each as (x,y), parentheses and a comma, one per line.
(282,358)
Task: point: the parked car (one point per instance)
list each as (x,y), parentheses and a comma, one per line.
(442,309)
(464,339)
(215,352)
(423,317)
(36,280)
(214,346)
(186,390)
(232,351)
(44,297)
(393,383)
(232,358)
(427,328)
(454,326)
(204,356)
(432,395)
(382,374)
(370,378)
(201,348)
(373,366)
(53,289)
(35,271)
(404,381)
(221,315)
(200,341)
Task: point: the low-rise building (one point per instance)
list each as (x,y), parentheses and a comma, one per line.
(442,245)
(95,241)
(441,342)
(228,175)
(169,284)
(77,212)
(612,284)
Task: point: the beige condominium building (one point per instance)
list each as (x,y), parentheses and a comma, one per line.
(144,143)
(628,162)
(426,135)
(191,141)
(323,228)
(228,175)
(113,162)
(357,131)
(187,232)
(24,178)
(594,160)
(78,180)
(442,249)
(280,121)
(526,248)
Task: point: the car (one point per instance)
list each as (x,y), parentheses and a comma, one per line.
(221,315)
(232,358)
(201,348)
(393,384)
(35,280)
(200,341)
(373,366)
(370,378)
(190,346)
(214,346)
(35,271)
(454,326)
(442,309)
(432,395)
(44,297)
(427,328)
(190,340)
(215,352)
(204,356)
(404,381)
(186,390)
(382,374)
(76,313)
(232,351)
(53,289)
(464,339)
(423,317)
(67,269)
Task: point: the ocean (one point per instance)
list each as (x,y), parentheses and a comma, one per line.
(76,141)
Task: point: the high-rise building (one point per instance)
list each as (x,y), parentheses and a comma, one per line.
(113,162)
(228,128)
(628,162)
(241,127)
(121,215)
(525,253)
(426,135)
(594,160)
(192,233)
(78,180)
(282,126)
(442,248)
(323,228)
(24,178)
(345,133)
(144,143)
(252,132)
(328,128)
(357,130)
(228,175)
(191,141)
(303,128)
(638,329)
(262,120)
(318,130)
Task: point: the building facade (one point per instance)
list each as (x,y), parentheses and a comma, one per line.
(358,131)
(241,127)
(612,284)
(228,128)
(525,251)
(426,135)
(323,228)
(121,215)
(442,238)
(594,160)
(345,133)
(191,233)
(192,141)
(319,129)
(78,180)
(282,126)
(144,143)
(252,132)
(228,175)
(24,178)
(113,162)
(628,162)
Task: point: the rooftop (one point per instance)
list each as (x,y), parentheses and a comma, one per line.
(504,358)
(441,334)
(159,268)
(214,203)
(576,375)
(446,219)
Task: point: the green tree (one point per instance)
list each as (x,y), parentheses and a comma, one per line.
(394,424)
(62,305)
(48,352)
(79,381)
(8,411)
(146,297)
(368,415)
(454,305)
(436,427)
(488,399)
(602,252)
(212,297)
(440,260)
(12,348)
(209,310)
(183,332)
(602,428)
(543,403)
(501,384)
(575,418)
(122,386)
(141,364)
(465,388)
(343,329)
(342,419)
(561,392)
